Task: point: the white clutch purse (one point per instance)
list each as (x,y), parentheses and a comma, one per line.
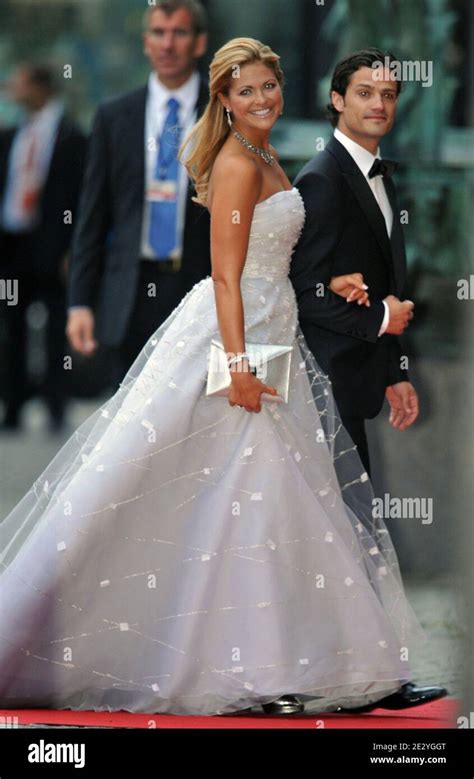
(269,362)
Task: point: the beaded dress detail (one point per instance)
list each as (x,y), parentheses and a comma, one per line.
(180,555)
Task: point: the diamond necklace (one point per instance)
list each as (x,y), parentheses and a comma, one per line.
(263,153)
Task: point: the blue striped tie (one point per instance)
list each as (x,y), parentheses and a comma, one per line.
(163,213)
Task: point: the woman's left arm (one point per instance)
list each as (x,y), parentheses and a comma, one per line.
(351,287)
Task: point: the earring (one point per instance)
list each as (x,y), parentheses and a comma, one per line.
(229,122)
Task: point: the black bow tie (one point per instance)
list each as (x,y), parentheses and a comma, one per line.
(382,168)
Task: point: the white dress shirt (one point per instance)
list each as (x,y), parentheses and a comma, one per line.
(41,128)
(364,160)
(156,111)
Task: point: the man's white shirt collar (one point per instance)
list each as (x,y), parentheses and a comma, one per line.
(364,159)
(186,94)
(48,115)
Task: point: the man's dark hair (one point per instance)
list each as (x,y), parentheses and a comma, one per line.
(43,76)
(347,66)
(195,8)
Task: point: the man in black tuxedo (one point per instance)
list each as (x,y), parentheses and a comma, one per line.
(141,243)
(41,163)
(353,226)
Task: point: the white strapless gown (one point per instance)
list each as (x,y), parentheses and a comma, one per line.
(179,555)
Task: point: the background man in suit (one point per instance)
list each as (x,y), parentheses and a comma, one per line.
(141,243)
(41,165)
(353,225)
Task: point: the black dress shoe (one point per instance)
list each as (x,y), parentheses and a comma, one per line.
(287,704)
(406,697)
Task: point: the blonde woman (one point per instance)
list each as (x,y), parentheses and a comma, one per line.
(197,553)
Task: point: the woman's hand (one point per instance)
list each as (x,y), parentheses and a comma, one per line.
(352,287)
(245,391)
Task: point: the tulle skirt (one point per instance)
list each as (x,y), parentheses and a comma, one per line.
(179,555)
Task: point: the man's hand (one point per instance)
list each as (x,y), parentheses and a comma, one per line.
(400,311)
(80,331)
(404,406)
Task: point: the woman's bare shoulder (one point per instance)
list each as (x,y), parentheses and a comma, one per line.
(233,171)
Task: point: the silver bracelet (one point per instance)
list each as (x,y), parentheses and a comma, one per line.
(238,358)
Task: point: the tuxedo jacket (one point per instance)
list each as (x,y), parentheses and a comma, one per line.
(107,240)
(345,232)
(52,237)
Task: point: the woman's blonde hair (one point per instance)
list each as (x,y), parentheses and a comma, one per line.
(208,134)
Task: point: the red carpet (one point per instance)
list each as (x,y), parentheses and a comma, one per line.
(440,714)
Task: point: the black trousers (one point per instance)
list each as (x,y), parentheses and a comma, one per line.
(33,285)
(355,426)
(159,291)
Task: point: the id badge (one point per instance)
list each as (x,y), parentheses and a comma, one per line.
(162,190)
